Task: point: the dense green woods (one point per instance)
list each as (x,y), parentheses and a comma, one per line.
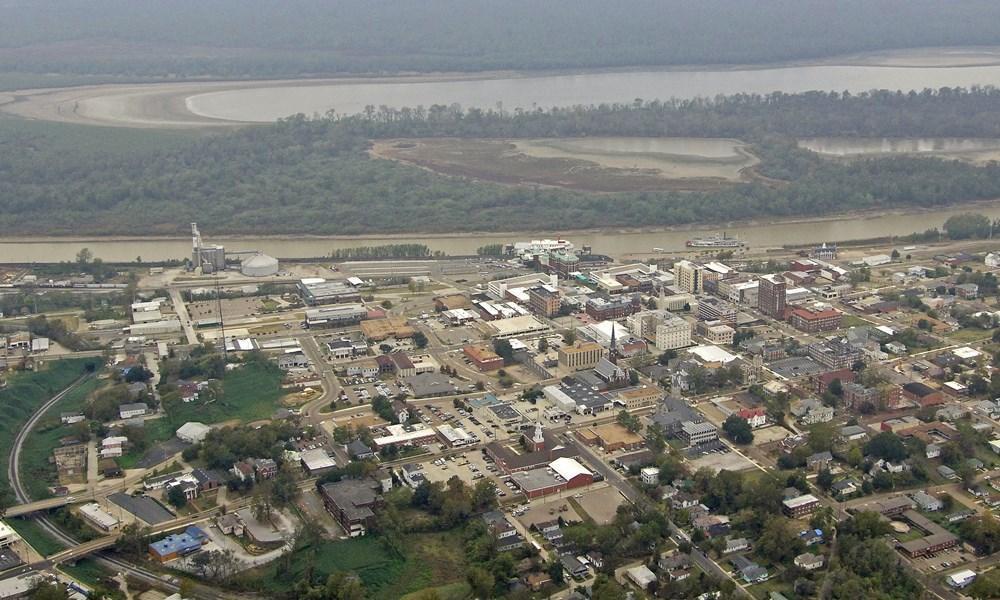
(260,38)
(314,176)
(948,112)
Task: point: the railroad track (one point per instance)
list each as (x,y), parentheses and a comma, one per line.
(113,564)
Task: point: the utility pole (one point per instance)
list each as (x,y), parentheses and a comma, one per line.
(222,322)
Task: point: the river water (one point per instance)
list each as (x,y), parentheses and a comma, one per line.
(613,243)
(268,103)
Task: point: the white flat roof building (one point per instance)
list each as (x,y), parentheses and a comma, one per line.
(454,436)
(568,468)
(155,327)
(398,435)
(145,306)
(192,432)
(7,535)
(515,326)
(98,516)
(316,459)
(966,353)
(712,354)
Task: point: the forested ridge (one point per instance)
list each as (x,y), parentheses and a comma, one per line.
(314,176)
(262,38)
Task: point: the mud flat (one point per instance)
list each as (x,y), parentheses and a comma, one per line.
(608,164)
(974,150)
(229,103)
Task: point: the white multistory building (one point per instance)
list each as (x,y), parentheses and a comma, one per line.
(673,333)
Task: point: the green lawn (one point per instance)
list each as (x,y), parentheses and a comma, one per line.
(36,470)
(86,571)
(432,560)
(853,321)
(250,393)
(968,335)
(453,591)
(157,430)
(763,590)
(35,536)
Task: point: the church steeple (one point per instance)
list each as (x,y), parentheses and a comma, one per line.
(613,350)
(537,442)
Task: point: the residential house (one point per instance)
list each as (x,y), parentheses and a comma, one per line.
(853,433)
(243,470)
(359,450)
(756,417)
(265,468)
(135,409)
(819,461)
(750,571)
(926,502)
(810,411)
(845,487)
(809,561)
(736,545)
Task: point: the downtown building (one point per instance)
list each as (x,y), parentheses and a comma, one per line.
(771,292)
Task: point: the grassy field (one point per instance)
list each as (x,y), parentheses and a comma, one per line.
(36,470)
(968,335)
(592,164)
(86,571)
(763,590)
(453,591)
(35,536)
(853,321)
(157,430)
(250,393)
(24,393)
(432,560)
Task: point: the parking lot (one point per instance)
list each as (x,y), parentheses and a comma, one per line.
(362,390)
(231,308)
(471,467)
(943,561)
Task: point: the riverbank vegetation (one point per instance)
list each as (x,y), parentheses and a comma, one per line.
(124,41)
(314,176)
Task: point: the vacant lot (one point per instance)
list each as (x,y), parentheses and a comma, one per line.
(729,461)
(431,559)
(591,164)
(250,393)
(601,505)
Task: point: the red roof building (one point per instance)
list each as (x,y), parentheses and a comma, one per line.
(756,416)
(812,321)
(822,382)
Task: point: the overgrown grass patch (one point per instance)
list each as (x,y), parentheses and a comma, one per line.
(37,538)
(24,393)
(250,393)
(432,559)
(86,571)
(37,472)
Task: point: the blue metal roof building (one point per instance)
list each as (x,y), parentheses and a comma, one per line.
(178,544)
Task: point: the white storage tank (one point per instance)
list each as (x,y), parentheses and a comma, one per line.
(259,265)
